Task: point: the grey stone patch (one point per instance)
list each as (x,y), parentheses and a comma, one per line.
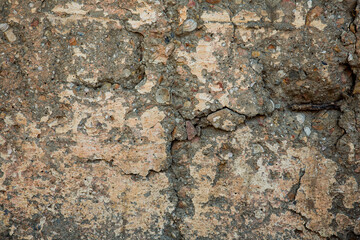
(225,119)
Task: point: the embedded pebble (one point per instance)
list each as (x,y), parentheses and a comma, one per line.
(189,25)
(4,27)
(190,130)
(10,35)
(179,132)
(126,73)
(256,66)
(162,95)
(255,54)
(307,131)
(169,49)
(270,106)
(357,88)
(300,118)
(106,86)
(257,148)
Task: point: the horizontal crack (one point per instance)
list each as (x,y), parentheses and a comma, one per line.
(315,107)
(96,161)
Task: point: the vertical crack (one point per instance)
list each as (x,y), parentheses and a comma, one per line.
(174,232)
(294,189)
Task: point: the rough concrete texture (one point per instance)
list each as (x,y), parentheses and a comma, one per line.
(186,119)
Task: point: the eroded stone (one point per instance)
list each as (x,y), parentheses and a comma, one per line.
(116,124)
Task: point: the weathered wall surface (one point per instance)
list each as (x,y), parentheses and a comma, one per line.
(189,119)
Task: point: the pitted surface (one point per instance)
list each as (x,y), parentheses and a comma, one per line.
(189,119)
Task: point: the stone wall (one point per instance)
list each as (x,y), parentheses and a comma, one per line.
(179,119)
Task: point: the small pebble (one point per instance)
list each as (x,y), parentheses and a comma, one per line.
(257,148)
(169,49)
(10,35)
(4,27)
(357,88)
(72,41)
(256,66)
(271,106)
(351,57)
(162,95)
(191,3)
(106,86)
(300,118)
(189,25)
(307,131)
(35,22)
(255,54)
(126,73)
(190,130)
(187,104)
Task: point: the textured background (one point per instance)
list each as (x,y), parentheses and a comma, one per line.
(188,119)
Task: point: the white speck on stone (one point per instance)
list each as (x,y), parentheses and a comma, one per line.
(281,73)
(230,154)
(351,57)
(9,150)
(309,3)
(216,118)
(307,131)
